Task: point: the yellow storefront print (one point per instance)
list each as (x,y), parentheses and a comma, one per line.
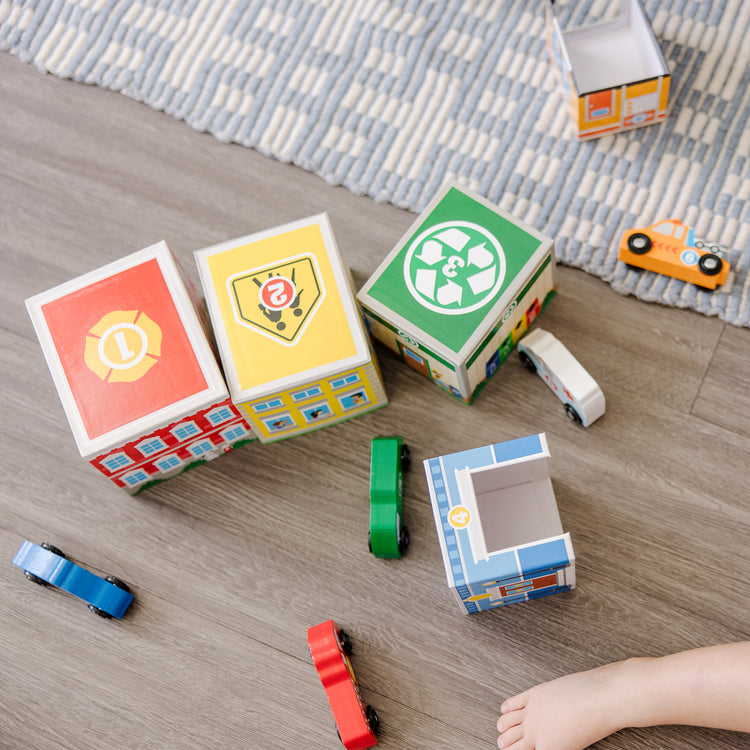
(278,300)
(316,404)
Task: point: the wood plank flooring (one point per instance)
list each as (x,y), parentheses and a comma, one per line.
(232,562)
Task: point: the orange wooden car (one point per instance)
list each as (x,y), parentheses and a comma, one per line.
(670,248)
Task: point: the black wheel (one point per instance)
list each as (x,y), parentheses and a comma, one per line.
(405,458)
(54,550)
(639,243)
(117,582)
(346,642)
(710,264)
(372,718)
(100,612)
(527,361)
(403,540)
(369,541)
(573,415)
(35,579)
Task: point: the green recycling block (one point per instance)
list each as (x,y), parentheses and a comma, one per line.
(459,289)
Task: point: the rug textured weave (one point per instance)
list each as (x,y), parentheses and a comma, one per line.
(392,97)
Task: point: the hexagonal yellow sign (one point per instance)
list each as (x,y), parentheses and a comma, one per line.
(278,300)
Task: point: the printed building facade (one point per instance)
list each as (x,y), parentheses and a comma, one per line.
(135,371)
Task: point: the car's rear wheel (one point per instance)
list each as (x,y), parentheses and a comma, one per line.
(527,362)
(710,264)
(403,540)
(639,243)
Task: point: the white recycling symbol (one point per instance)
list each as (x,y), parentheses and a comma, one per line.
(454,267)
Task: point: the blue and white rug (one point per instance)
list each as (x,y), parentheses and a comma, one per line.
(391,97)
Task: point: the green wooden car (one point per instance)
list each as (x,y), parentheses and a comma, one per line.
(389,459)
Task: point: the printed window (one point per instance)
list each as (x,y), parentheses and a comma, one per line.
(151,445)
(307,393)
(344,381)
(413,355)
(135,478)
(353,400)
(316,412)
(167,462)
(274,403)
(232,434)
(219,415)
(185,430)
(201,448)
(117,461)
(279,422)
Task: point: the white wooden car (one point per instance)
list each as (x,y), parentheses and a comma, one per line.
(544,354)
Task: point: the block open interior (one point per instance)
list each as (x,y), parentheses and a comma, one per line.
(614,52)
(515,505)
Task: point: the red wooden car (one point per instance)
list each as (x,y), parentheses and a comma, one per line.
(357,723)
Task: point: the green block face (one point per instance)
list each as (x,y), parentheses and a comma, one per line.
(453,268)
(464,280)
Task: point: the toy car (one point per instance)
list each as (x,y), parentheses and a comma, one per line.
(542,353)
(47,565)
(389,459)
(357,723)
(670,248)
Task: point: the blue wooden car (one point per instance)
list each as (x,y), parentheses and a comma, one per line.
(47,565)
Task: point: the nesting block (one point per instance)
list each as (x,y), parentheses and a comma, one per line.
(291,338)
(134,368)
(459,289)
(498,524)
(612,71)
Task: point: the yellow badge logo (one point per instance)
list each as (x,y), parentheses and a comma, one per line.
(278,301)
(123,346)
(459,517)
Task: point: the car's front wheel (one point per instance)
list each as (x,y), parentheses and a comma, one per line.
(100,612)
(373,719)
(710,264)
(405,458)
(573,415)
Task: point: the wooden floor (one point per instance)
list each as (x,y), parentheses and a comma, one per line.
(232,562)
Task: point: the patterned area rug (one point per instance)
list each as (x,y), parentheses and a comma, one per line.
(392,97)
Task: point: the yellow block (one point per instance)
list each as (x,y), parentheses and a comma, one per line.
(279,296)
